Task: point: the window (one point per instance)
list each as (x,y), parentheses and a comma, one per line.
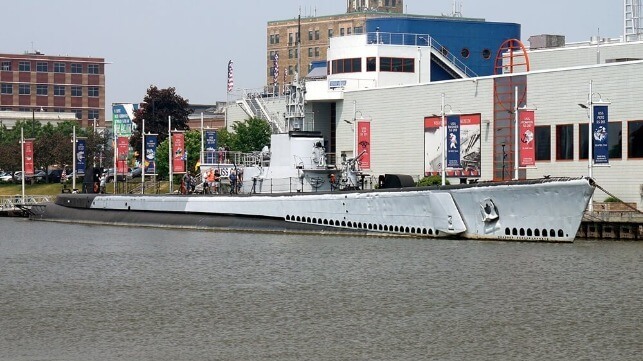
(58,110)
(42,67)
(59,67)
(399,65)
(352,65)
(41,89)
(276,38)
(371,64)
(93,114)
(310,35)
(290,38)
(330,33)
(6,88)
(59,90)
(76,68)
(564,142)
(464,53)
(310,52)
(614,140)
(78,112)
(635,139)
(290,53)
(6,66)
(24,89)
(349,31)
(93,69)
(76,91)
(290,71)
(359,30)
(93,91)
(317,34)
(316,52)
(341,32)
(543,142)
(486,53)
(24,66)
(272,38)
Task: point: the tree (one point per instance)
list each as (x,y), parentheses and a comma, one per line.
(251,135)
(157,106)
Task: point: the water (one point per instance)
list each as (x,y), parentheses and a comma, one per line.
(74,292)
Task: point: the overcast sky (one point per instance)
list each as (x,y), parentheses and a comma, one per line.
(187,44)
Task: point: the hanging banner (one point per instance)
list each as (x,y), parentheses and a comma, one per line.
(599,131)
(526,121)
(178,153)
(364,143)
(210,146)
(470,148)
(453,141)
(122,147)
(27,145)
(81,158)
(149,161)
(123,116)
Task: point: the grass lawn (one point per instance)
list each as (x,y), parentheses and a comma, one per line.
(45,189)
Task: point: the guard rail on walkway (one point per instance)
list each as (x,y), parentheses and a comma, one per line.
(17,205)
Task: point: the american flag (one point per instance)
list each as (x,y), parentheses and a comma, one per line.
(276,75)
(230,76)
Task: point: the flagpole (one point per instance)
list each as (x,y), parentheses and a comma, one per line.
(73,164)
(143,158)
(201,153)
(22,146)
(169,139)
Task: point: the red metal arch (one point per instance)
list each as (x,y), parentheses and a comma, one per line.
(511,58)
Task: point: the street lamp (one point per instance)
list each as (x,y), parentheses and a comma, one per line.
(444,136)
(589,106)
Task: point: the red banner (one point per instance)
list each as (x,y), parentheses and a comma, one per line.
(28,148)
(364,143)
(122,145)
(178,153)
(527,133)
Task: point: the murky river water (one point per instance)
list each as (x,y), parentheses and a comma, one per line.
(74,292)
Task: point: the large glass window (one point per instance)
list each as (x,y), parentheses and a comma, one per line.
(310,35)
(41,89)
(93,69)
(6,88)
(310,52)
(330,33)
(635,139)
(6,65)
(317,34)
(78,112)
(42,67)
(76,91)
(24,66)
(352,65)
(316,52)
(614,140)
(371,64)
(291,38)
(543,142)
(59,90)
(76,68)
(59,67)
(93,91)
(403,65)
(565,142)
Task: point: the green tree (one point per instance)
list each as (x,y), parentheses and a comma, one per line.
(250,135)
(157,106)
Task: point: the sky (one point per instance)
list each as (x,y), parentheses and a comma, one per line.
(187,44)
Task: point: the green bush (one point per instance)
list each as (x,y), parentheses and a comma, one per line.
(612,200)
(434,180)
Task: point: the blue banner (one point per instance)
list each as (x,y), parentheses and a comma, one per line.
(453,141)
(149,161)
(599,135)
(80,156)
(210,146)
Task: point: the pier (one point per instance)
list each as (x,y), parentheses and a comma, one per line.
(17,206)
(615,221)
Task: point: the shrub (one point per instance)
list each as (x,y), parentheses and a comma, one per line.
(434,180)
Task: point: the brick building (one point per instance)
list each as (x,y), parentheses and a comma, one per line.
(316,33)
(60,84)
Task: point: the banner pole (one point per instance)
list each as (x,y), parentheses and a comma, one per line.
(73,163)
(22,147)
(169,148)
(143,158)
(516,133)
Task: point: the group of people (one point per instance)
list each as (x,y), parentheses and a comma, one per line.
(188,183)
(212,181)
